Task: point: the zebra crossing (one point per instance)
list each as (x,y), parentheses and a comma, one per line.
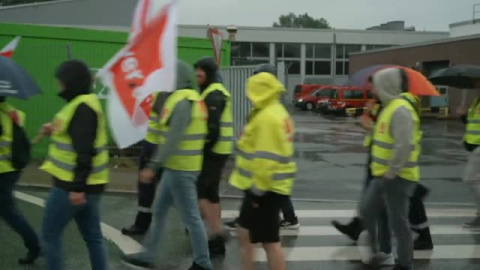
(317,241)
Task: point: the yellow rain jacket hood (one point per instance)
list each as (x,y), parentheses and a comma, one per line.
(263,89)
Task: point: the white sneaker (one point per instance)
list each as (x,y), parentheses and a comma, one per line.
(382,259)
(289,225)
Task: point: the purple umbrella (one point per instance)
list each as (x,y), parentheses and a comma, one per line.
(360,78)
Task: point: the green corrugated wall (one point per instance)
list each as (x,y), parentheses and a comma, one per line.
(43,48)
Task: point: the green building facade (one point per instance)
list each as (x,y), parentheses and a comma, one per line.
(43,48)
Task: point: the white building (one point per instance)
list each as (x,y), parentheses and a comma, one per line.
(322,55)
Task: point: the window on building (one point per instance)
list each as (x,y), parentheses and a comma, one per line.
(279,49)
(323,51)
(241,49)
(293,67)
(342,67)
(260,49)
(322,68)
(352,49)
(376,47)
(340,53)
(291,50)
(309,50)
(309,67)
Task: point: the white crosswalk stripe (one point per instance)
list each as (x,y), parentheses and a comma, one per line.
(444,222)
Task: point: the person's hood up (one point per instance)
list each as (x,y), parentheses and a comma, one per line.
(263,89)
(387,84)
(76,77)
(266,68)
(185,76)
(209,66)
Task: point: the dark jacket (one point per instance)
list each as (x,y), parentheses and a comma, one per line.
(215,102)
(77,80)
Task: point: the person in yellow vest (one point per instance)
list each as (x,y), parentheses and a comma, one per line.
(146,191)
(78,162)
(472,172)
(264,170)
(184,125)
(217,149)
(9,175)
(394,164)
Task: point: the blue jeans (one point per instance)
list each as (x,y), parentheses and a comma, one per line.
(10,213)
(179,188)
(58,213)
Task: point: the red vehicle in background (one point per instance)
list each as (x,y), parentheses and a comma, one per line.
(310,100)
(341,98)
(303,90)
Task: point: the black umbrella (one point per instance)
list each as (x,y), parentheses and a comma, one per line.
(15,81)
(462,76)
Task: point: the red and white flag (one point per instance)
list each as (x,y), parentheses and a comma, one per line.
(147,64)
(217,43)
(8,50)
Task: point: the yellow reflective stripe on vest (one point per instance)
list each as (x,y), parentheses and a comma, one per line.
(383,143)
(69,148)
(70,167)
(224,144)
(189,155)
(61,160)
(6,137)
(273,157)
(387,162)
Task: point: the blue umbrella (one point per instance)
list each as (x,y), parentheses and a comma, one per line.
(15,81)
(360,78)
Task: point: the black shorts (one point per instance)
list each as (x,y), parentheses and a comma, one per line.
(262,221)
(209,180)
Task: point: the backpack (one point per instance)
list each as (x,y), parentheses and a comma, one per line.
(21,148)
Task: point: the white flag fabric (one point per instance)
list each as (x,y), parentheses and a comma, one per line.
(147,64)
(9,49)
(217,43)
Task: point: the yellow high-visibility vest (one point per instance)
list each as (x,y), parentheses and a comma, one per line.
(7,135)
(264,157)
(154,135)
(224,145)
(472,134)
(383,143)
(189,155)
(367,141)
(61,160)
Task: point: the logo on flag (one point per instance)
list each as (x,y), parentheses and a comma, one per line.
(9,49)
(217,43)
(147,64)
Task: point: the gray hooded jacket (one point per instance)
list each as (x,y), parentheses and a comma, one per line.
(388,86)
(180,119)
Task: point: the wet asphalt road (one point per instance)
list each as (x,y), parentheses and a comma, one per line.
(332,161)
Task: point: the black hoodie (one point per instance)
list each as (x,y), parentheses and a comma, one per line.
(77,79)
(215,102)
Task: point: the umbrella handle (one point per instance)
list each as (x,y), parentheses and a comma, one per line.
(38,138)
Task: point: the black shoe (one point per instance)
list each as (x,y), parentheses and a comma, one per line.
(400,267)
(232,225)
(197,267)
(30,257)
(352,229)
(133,230)
(290,224)
(216,246)
(132,261)
(420,244)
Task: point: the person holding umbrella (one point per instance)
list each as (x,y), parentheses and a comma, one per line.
(15,152)
(467,77)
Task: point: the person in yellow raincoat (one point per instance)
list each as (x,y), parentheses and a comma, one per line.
(264,170)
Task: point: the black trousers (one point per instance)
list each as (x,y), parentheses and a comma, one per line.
(146,192)
(11,215)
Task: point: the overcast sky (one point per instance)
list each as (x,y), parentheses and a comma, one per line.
(432,15)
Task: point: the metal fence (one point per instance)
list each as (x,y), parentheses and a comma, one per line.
(234,79)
